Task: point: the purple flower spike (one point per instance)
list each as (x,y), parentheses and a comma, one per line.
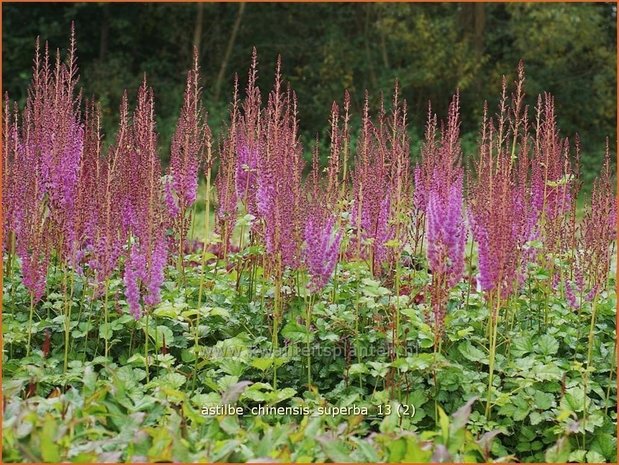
(322,245)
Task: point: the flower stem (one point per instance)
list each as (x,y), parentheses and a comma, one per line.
(30,324)
(146,348)
(494,315)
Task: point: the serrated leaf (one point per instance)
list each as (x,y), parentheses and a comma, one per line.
(357,369)
(543,400)
(547,345)
(472,353)
(262,363)
(297,333)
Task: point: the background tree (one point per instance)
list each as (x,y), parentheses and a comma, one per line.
(432,49)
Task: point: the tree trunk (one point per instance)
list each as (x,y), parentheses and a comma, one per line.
(366,37)
(479,25)
(231,40)
(104,37)
(197,29)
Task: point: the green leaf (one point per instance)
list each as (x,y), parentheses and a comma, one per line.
(218,311)
(574,399)
(547,345)
(595,457)
(297,333)
(105,331)
(281,395)
(521,346)
(358,369)
(222,449)
(174,380)
(369,453)
(391,421)
(605,444)
(472,353)
(444,423)
(159,334)
(50,450)
(535,418)
(167,310)
(397,450)
(577,456)
(379,369)
(262,363)
(335,450)
(414,452)
(543,400)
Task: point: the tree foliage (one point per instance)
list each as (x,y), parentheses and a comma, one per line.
(431,49)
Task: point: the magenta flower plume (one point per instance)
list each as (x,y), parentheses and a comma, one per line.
(44,155)
(502,215)
(134,273)
(250,142)
(439,197)
(12,191)
(278,195)
(381,187)
(187,150)
(501,227)
(551,173)
(227,201)
(31,225)
(57,134)
(446,231)
(246,176)
(149,218)
(102,195)
(30,222)
(144,275)
(595,236)
(322,245)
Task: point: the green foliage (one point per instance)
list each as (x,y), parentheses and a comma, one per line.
(420,404)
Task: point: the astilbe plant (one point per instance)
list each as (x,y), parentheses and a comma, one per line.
(553,182)
(322,232)
(337,167)
(46,158)
(381,187)
(439,195)
(56,135)
(249,143)
(145,212)
(279,199)
(395,142)
(323,224)
(68,201)
(322,244)
(103,191)
(11,190)
(594,239)
(186,154)
(322,239)
(27,217)
(501,212)
(227,204)
(278,195)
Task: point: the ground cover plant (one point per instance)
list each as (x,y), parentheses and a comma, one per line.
(245,304)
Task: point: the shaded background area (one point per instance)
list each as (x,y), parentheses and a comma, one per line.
(432,49)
